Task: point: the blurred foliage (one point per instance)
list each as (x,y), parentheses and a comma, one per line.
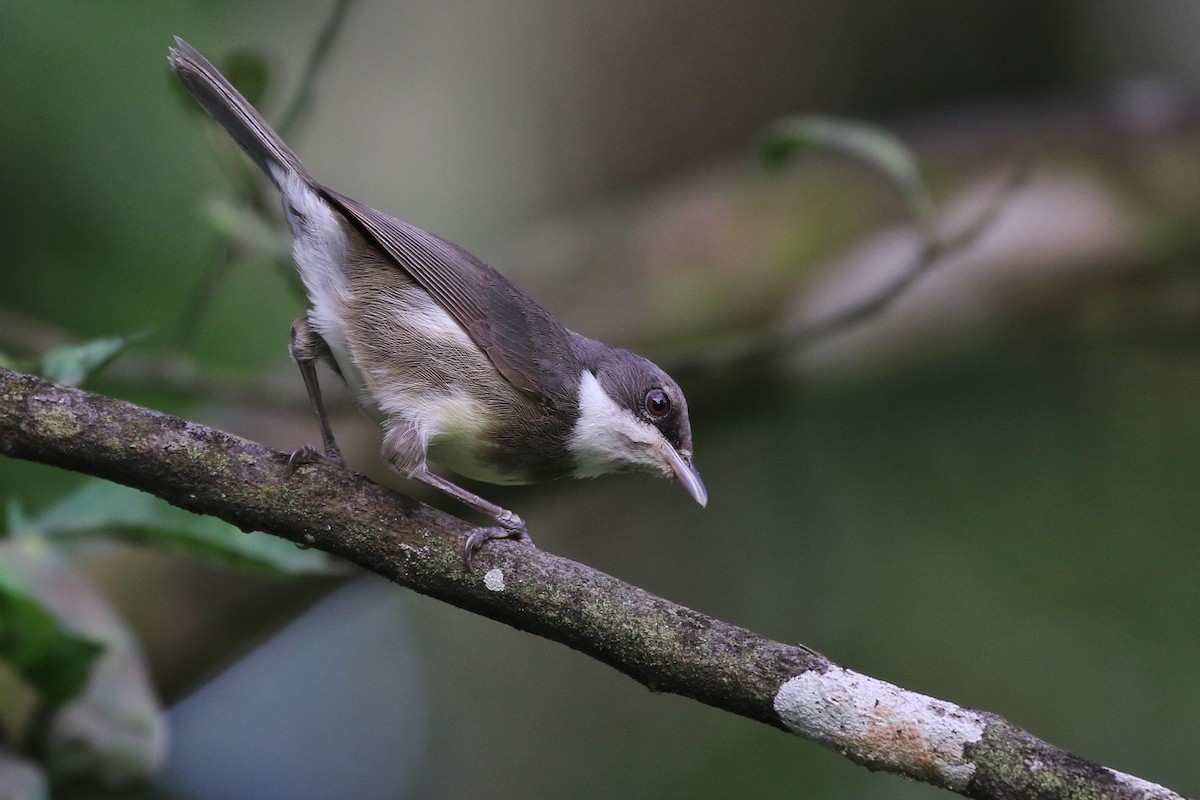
(103,509)
(72,363)
(799,136)
(54,661)
(95,723)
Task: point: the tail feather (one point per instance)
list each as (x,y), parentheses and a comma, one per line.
(227,106)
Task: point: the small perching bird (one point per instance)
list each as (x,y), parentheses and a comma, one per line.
(466,370)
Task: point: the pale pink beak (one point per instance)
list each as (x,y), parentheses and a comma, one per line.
(686,474)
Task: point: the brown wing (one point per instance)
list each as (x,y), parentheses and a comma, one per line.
(531,349)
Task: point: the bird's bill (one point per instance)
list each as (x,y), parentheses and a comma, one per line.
(686,474)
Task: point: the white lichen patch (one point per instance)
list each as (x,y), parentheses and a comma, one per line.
(494,580)
(1142,788)
(888,727)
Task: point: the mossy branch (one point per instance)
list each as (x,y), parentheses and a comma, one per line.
(666,647)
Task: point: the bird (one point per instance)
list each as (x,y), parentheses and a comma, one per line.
(464,370)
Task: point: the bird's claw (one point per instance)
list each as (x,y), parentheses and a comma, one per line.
(511,527)
(310,455)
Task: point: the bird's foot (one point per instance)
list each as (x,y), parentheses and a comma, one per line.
(511,527)
(311,455)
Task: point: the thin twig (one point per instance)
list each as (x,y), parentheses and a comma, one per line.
(667,647)
(302,99)
(758,347)
(201,294)
(932,252)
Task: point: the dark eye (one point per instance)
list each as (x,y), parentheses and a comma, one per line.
(658,405)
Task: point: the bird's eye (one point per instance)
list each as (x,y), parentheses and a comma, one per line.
(658,405)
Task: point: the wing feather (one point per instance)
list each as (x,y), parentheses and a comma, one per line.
(531,349)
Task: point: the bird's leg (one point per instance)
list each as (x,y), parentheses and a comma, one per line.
(307,348)
(511,526)
(404,450)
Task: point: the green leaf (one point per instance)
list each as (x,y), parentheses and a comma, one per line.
(73,363)
(799,136)
(112,733)
(103,508)
(53,660)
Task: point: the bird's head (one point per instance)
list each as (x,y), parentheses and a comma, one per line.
(633,416)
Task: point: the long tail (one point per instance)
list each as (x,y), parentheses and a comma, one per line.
(227,106)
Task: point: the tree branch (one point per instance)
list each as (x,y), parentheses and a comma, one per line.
(666,647)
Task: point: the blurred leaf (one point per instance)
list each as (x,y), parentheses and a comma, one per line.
(112,734)
(73,363)
(800,136)
(103,508)
(52,659)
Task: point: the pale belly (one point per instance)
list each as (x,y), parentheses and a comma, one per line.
(406,360)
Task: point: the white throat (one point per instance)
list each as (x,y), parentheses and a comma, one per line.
(608,437)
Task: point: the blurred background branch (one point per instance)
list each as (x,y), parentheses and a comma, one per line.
(799,136)
(301,103)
